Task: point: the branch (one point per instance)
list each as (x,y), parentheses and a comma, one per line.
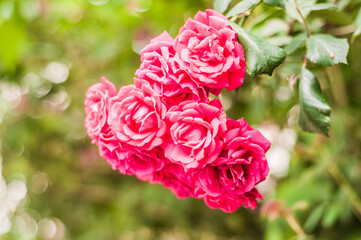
(303,19)
(292,221)
(304,60)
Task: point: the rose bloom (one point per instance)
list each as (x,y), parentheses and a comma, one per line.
(130,160)
(159,68)
(207,48)
(195,136)
(96,106)
(149,166)
(136,116)
(240,166)
(173,176)
(228,202)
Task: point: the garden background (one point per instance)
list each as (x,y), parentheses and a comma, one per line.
(53,183)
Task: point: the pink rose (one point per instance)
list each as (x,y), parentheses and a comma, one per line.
(146,165)
(174,177)
(136,116)
(196,133)
(130,160)
(207,49)
(159,68)
(230,203)
(96,106)
(244,153)
(240,166)
(110,149)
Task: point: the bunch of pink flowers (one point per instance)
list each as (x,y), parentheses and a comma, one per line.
(164,129)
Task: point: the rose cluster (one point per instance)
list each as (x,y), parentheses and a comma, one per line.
(164,129)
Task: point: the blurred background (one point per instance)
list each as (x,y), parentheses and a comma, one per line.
(53,184)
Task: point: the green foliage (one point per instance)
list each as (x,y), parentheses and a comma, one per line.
(274,231)
(314,110)
(314,218)
(326,50)
(332,212)
(296,43)
(221,5)
(305,7)
(261,56)
(320,6)
(358,25)
(333,16)
(14,38)
(241,7)
(276,3)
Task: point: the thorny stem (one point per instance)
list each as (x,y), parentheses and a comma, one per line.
(274,209)
(234,18)
(303,19)
(292,221)
(238,16)
(307,29)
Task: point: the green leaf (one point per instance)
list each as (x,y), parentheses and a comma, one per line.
(296,42)
(221,5)
(314,218)
(326,50)
(331,215)
(304,6)
(12,44)
(274,230)
(320,6)
(261,56)
(242,7)
(314,110)
(332,16)
(275,3)
(358,25)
